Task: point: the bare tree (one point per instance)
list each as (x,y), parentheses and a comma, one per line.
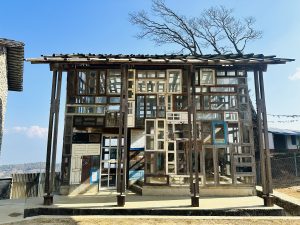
(216,28)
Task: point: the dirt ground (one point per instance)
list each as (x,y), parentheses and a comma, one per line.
(80,220)
(293,191)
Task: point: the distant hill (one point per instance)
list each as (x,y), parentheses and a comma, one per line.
(7,170)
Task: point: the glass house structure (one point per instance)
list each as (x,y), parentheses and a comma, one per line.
(174,124)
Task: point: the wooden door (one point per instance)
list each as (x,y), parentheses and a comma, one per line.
(86,166)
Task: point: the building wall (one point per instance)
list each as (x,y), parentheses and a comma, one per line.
(289,142)
(3,89)
(158,123)
(271,141)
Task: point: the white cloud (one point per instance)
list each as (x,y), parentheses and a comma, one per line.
(32,131)
(296,75)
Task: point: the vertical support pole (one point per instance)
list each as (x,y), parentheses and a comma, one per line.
(188,86)
(266,139)
(263,145)
(55,131)
(295,160)
(195,197)
(48,199)
(121,173)
(125,112)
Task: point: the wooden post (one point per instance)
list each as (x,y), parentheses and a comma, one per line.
(121,174)
(266,178)
(48,198)
(195,197)
(269,200)
(125,113)
(188,86)
(55,132)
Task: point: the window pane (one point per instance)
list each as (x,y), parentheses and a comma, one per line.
(114,82)
(219,131)
(151,106)
(101,100)
(102,82)
(180,102)
(174,82)
(227,81)
(81,82)
(92,83)
(206,77)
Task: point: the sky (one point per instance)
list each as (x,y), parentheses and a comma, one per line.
(74,26)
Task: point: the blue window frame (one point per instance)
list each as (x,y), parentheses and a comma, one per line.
(219,129)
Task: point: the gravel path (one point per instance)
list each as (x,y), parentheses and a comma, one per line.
(143,220)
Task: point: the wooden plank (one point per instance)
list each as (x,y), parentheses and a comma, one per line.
(266,136)
(50,131)
(55,132)
(259,130)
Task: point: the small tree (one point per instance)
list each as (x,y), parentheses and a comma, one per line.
(215,28)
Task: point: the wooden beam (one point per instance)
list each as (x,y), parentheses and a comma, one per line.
(125,129)
(47,198)
(259,130)
(122,157)
(190,150)
(269,184)
(55,131)
(195,201)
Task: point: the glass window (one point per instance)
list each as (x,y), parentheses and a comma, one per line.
(198,102)
(226,81)
(219,132)
(160,86)
(207,77)
(206,102)
(222,89)
(142,74)
(233,133)
(141,86)
(101,100)
(92,83)
(231,73)
(161,74)
(114,100)
(140,110)
(151,106)
(174,81)
(161,112)
(241,73)
(102,82)
(114,82)
(81,82)
(221,73)
(231,116)
(208,116)
(180,102)
(150,86)
(100,110)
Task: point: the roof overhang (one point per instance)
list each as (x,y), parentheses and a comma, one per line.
(283,131)
(251,60)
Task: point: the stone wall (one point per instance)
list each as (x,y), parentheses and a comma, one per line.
(3,89)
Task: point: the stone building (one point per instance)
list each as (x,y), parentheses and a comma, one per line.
(173,124)
(11,73)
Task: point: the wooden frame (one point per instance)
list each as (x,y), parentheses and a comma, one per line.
(203,72)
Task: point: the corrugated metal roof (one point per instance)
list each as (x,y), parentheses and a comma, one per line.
(15,63)
(228,59)
(283,131)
